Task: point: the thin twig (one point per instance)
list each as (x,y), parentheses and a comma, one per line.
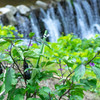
(65,93)
(29,44)
(84,65)
(60,68)
(68,76)
(16,63)
(92,59)
(49,96)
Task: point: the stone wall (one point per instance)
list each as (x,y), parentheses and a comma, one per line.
(19,2)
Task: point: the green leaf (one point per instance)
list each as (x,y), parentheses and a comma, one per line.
(44,63)
(10,79)
(44,42)
(33,99)
(20,35)
(75,97)
(69,62)
(19,97)
(2,97)
(34,73)
(31,34)
(11,93)
(44,92)
(76,93)
(89,83)
(30,54)
(60,89)
(20,52)
(8,59)
(96,71)
(79,72)
(97,61)
(2,42)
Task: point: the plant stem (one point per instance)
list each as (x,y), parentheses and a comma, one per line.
(92,59)
(64,94)
(68,76)
(84,64)
(67,92)
(60,68)
(41,50)
(49,96)
(16,64)
(29,44)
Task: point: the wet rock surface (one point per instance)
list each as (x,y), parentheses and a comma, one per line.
(24,10)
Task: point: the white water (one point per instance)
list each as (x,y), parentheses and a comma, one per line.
(81,20)
(34,25)
(52,24)
(23,25)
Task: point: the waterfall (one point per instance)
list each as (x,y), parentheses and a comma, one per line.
(34,25)
(52,24)
(63,18)
(88,11)
(93,17)
(95,10)
(71,18)
(81,20)
(1,23)
(23,25)
(81,17)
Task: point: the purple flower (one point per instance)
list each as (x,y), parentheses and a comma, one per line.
(60,69)
(7,50)
(30,45)
(65,65)
(92,64)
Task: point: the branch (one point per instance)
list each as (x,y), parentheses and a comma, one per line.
(60,68)
(84,64)
(64,94)
(16,63)
(67,92)
(49,96)
(92,59)
(68,76)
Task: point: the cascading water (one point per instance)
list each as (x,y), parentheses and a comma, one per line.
(81,20)
(1,23)
(34,25)
(23,25)
(63,18)
(88,11)
(92,20)
(52,24)
(82,17)
(95,10)
(71,16)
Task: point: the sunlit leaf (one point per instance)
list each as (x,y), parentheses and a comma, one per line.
(10,79)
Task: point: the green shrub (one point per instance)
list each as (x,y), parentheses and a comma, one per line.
(70,60)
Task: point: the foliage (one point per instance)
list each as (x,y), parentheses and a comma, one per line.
(70,57)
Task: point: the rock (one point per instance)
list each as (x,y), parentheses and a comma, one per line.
(12,20)
(32,7)
(24,10)
(12,9)
(42,4)
(9,15)
(4,10)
